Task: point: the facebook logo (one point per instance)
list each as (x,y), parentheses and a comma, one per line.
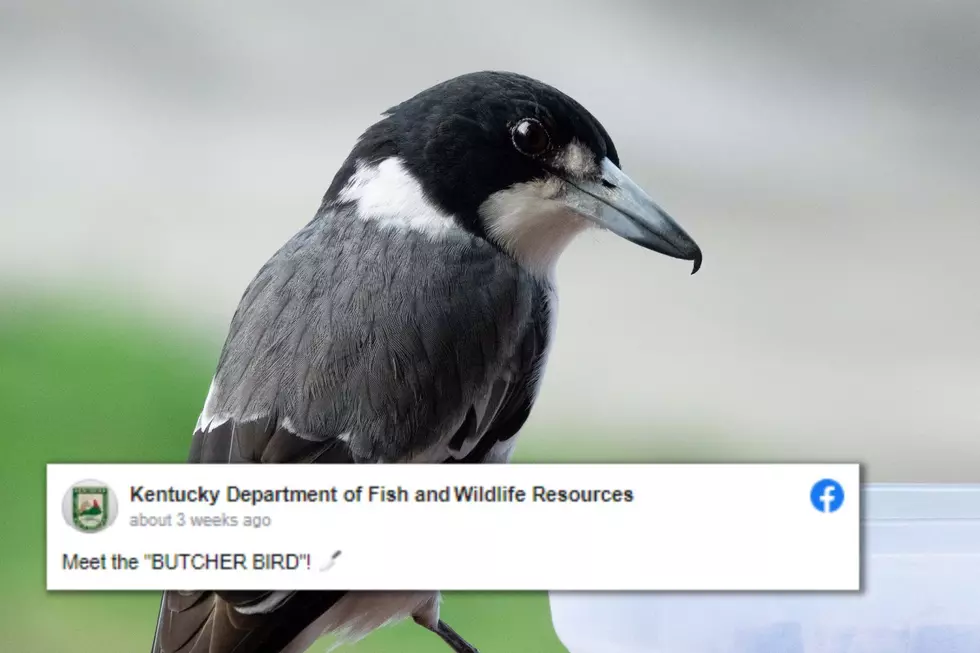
(827,495)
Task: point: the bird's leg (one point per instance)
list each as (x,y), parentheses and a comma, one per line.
(450,636)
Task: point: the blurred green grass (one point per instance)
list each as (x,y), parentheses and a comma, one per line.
(86,384)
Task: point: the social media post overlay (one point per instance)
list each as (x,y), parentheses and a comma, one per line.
(453,527)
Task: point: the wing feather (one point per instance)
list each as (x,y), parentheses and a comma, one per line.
(343,356)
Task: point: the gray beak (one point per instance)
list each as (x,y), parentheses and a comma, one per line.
(616,203)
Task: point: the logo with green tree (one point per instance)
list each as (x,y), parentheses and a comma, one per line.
(90,507)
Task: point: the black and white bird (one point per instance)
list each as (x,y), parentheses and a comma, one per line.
(408,322)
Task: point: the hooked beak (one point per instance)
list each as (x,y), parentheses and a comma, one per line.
(616,203)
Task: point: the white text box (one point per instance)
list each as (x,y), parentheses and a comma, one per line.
(452,527)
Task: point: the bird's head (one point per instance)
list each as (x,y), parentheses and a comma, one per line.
(507,158)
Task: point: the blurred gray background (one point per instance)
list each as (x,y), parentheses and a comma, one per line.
(824,155)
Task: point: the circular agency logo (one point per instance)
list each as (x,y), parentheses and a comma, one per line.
(89,506)
(827,495)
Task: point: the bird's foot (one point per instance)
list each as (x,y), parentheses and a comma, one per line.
(451,637)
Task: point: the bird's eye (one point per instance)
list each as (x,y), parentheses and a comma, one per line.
(530,137)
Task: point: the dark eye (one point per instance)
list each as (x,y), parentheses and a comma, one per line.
(530,137)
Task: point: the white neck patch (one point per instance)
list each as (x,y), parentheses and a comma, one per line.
(532,224)
(390,195)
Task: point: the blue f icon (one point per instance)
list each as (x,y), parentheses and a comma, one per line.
(827,495)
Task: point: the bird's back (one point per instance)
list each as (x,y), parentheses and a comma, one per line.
(359,342)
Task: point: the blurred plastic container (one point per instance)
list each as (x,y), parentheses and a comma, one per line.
(921,595)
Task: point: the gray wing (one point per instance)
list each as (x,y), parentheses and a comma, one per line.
(374,342)
(352,345)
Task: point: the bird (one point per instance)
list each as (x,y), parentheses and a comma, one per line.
(409,321)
